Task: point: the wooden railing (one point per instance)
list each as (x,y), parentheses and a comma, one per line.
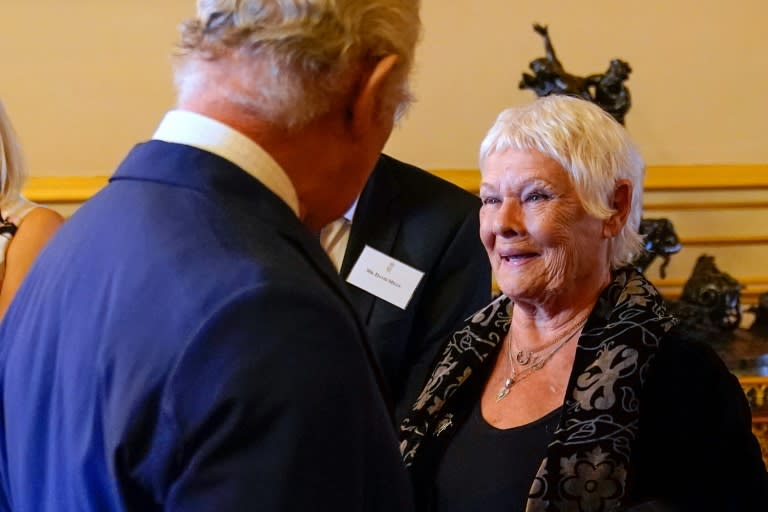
(719,210)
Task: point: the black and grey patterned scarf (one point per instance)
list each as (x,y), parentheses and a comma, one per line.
(588,459)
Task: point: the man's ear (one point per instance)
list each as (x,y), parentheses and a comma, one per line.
(366,108)
(622,201)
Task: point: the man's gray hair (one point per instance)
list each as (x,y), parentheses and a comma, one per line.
(289,61)
(593,148)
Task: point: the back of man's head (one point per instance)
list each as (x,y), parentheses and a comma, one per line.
(288,61)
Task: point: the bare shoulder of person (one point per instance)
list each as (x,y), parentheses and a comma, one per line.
(32,235)
(35,230)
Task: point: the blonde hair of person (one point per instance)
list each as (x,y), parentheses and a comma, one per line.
(12,168)
(593,149)
(291,55)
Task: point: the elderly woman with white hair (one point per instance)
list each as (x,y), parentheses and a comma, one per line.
(573,390)
(19,243)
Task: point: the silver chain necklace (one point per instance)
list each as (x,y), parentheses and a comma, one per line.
(532,362)
(525,357)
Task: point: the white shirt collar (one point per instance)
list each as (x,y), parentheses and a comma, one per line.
(350,213)
(196,130)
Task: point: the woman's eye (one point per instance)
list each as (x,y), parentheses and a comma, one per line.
(490,200)
(534,196)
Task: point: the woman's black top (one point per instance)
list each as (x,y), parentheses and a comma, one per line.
(490,469)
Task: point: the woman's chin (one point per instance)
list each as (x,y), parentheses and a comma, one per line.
(519,290)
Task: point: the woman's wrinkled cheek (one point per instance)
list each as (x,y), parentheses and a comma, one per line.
(560,251)
(556,263)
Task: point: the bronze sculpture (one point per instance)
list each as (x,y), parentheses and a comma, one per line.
(746,350)
(550,77)
(710,311)
(606,90)
(759,326)
(660,240)
(610,93)
(710,303)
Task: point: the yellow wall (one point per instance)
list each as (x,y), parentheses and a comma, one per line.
(85,79)
(700,69)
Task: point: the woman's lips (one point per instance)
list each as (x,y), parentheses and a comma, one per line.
(517,257)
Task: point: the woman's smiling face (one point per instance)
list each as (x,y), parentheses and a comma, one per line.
(540,241)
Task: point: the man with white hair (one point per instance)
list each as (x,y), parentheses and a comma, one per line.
(184,343)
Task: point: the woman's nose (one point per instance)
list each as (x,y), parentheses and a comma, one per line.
(508,219)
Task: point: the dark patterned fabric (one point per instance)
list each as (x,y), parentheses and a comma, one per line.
(7,228)
(13,209)
(587,462)
(7,231)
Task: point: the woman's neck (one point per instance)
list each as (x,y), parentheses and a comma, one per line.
(536,324)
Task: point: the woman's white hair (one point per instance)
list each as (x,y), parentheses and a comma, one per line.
(593,148)
(12,167)
(288,61)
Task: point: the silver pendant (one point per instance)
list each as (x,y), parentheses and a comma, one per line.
(504,391)
(523,358)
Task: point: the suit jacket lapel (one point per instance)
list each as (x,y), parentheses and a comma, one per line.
(376,223)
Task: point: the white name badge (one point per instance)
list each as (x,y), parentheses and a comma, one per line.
(385,277)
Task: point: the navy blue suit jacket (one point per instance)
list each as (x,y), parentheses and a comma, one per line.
(431,225)
(183,343)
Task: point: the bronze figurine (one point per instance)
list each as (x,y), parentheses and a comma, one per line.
(606,89)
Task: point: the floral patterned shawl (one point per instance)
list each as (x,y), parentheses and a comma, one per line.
(588,460)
